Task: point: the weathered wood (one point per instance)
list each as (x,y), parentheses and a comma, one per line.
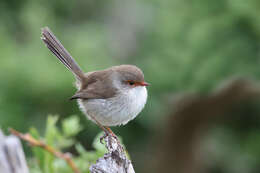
(115,161)
(12,159)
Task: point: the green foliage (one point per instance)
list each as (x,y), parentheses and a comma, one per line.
(62,139)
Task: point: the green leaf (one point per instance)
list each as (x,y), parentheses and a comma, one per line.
(97,145)
(51,133)
(37,152)
(45,162)
(71,126)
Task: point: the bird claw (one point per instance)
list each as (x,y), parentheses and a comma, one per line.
(106,135)
(101,139)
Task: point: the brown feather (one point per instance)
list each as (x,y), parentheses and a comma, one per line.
(55,46)
(98,85)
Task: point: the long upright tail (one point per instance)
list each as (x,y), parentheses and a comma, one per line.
(61,53)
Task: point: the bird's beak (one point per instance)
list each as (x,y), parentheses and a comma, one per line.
(144,84)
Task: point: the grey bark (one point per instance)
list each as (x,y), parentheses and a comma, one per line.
(115,161)
(12,159)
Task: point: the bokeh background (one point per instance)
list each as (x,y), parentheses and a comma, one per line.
(182,47)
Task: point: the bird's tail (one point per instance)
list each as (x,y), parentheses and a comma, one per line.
(61,53)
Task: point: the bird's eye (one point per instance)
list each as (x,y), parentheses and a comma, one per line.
(131,82)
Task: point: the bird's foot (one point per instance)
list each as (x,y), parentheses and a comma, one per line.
(106,134)
(110,133)
(101,139)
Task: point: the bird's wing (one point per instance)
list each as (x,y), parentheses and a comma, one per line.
(99,86)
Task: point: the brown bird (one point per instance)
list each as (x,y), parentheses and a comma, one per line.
(109,97)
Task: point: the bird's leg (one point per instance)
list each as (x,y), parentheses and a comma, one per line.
(103,128)
(107,131)
(110,131)
(113,135)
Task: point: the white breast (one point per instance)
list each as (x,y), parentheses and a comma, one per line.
(118,110)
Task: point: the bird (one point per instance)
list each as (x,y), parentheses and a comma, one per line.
(109,97)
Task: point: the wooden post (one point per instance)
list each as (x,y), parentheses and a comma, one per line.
(115,161)
(12,159)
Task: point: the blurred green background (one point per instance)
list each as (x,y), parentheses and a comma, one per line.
(181,46)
